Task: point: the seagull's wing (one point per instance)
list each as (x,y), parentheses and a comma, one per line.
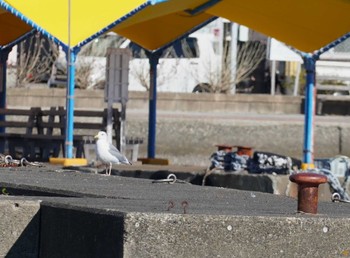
(115,152)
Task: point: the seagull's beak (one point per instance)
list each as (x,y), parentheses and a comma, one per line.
(96,136)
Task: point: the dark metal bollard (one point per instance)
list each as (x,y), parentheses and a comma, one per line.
(308,190)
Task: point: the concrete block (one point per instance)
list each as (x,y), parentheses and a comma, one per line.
(327,141)
(119,217)
(80,233)
(170,235)
(19,228)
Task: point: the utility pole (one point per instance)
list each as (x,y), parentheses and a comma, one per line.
(234,36)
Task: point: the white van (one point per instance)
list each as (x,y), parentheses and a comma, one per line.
(187,64)
(181,68)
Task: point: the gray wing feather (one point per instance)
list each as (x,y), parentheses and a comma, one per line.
(115,152)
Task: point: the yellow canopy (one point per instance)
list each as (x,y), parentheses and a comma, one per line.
(305,25)
(72,22)
(11,28)
(165,23)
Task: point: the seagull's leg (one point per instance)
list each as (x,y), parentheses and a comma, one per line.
(110,168)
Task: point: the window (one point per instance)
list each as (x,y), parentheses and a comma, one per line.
(186,48)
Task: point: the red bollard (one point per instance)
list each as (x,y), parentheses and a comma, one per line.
(245,150)
(308,190)
(224,147)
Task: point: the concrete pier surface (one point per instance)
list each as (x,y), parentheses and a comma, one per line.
(55,212)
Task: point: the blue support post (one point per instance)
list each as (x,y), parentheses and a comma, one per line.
(71,57)
(308,159)
(310,97)
(4,53)
(152,115)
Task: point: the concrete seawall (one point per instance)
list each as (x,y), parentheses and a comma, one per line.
(43,96)
(93,99)
(186,139)
(72,231)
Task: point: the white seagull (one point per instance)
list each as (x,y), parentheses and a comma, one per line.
(107,153)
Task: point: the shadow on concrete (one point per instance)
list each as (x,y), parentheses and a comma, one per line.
(68,232)
(227,180)
(192,178)
(33,192)
(241,182)
(27,244)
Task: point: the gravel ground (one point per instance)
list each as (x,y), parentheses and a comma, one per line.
(190,140)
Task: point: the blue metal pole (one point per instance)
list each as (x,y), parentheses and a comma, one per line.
(3,59)
(152,115)
(71,57)
(4,53)
(308,158)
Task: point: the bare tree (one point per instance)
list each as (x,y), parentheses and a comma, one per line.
(90,65)
(141,73)
(249,56)
(140,68)
(35,57)
(83,76)
(215,78)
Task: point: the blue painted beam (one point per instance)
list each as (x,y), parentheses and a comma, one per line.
(336,42)
(202,8)
(310,95)
(152,115)
(18,40)
(71,57)
(4,53)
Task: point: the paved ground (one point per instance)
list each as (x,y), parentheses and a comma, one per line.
(188,138)
(140,195)
(240,118)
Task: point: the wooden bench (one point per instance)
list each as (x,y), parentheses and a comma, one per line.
(52,124)
(40,134)
(325,91)
(132,145)
(17,129)
(328,84)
